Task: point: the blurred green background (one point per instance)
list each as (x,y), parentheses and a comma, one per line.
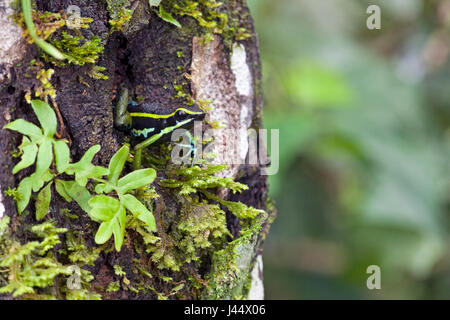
(364,119)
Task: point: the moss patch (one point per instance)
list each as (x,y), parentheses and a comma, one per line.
(212,17)
(231,266)
(119,14)
(33,270)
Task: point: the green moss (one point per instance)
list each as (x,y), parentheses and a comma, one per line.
(190,232)
(115,8)
(96,73)
(77,49)
(182,91)
(202,225)
(28,266)
(78,252)
(82,294)
(179,89)
(231,266)
(113,286)
(204,11)
(193,179)
(239,209)
(196,179)
(120,17)
(45,89)
(198,233)
(42,86)
(125,284)
(12,192)
(30,270)
(118,270)
(200,229)
(46,23)
(212,16)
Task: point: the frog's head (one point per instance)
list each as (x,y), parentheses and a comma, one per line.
(194,113)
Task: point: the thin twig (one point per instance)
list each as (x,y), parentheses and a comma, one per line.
(62,128)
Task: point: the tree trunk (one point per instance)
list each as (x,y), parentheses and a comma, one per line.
(162,63)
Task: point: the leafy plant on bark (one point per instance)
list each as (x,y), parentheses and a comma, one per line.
(112,195)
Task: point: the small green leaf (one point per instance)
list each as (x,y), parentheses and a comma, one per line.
(26,128)
(43,201)
(29,150)
(100,188)
(139,211)
(103,207)
(103,201)
(78,193)
(116,164)
(167,16)
(38,180)
(46,117)
(62,155)
(90,173)
(104,188)
(119,228)
(24,193)
(113,215)
(103,234)
(60,188)
(101,214)
(88,156)
(44,157)
(136,179)
(84,169)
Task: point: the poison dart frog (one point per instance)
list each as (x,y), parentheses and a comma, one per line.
(152,121)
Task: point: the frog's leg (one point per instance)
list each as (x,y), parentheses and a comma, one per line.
(192,153)
(122,118)
(144,144)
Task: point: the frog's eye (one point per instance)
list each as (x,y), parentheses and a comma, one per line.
(180,115)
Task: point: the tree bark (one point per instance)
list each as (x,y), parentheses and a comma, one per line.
(145,57)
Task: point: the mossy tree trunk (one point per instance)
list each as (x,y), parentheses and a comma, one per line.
(161,63)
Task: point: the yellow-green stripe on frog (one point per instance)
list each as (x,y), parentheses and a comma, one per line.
(164,116)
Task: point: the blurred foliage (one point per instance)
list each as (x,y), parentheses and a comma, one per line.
(364,119)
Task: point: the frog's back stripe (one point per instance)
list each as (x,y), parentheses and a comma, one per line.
(161,116)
